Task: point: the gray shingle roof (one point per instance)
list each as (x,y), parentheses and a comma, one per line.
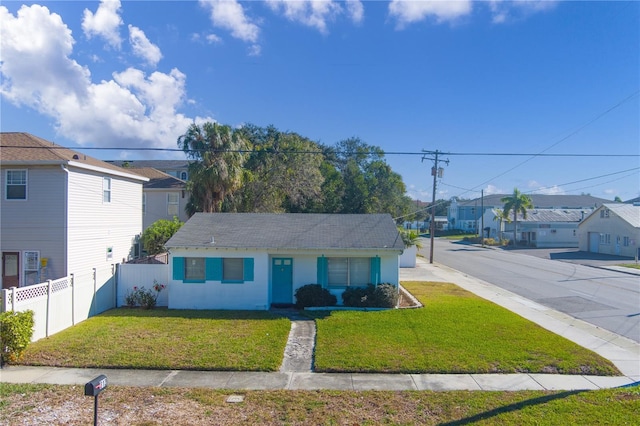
(158,179)
(553,215)
(289,231)
(543,201)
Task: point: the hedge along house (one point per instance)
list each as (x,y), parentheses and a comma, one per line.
(252,261)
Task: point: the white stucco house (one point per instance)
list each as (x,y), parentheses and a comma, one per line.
(612,229)
(252,261)
(63,212)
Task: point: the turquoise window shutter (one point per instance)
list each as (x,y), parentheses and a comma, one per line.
(248,268)
(213,269)
(375,270)
(178,268)
(322,271)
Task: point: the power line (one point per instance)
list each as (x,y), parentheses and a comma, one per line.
(293,151)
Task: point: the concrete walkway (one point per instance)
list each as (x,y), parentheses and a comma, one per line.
(296,370)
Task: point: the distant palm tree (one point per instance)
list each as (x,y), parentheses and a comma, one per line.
(516,203)
(499,217)
(218,169)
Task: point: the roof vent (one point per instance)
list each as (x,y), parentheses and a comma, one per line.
(213,241)
(75,157)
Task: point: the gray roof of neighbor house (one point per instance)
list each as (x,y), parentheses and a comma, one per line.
(158,179)
(553,215)
(23,149)
(288,231)
(627,212)
(542,201)
(154,164)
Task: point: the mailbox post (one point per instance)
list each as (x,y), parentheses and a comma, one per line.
(94,388)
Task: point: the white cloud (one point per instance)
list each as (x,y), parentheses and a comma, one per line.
(547,190)
(132,109)
(492,189)
(505,11)
(142,47)
(104,23)
(230,15)
(312,13)
(355,10)
(410,11)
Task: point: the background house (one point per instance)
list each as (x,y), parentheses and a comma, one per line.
(176,168)
(543,228)
(163,196)
(611,229)
(63,212)
(253,260)
(466,215)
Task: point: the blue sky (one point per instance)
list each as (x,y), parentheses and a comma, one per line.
(464,77)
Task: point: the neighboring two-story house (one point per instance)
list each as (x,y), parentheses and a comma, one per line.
(63,212)
(163,197)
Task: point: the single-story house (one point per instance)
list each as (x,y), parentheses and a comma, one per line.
(542,228)
(611,229)
(255,260)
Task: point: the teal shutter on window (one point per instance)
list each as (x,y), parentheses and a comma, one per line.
(248,268)
(322,271)
(375,270)
(213,269)
(178,268)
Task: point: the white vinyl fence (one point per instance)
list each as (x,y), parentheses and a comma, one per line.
(59,304)
(140,275)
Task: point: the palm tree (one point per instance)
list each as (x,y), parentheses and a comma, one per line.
(499,217)
(516,203)
(218,169)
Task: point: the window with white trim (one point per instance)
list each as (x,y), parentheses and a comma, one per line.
(625,241)
(106,190)
(605,238)
(16,185)
(31,266)
(194,268)
(173,202)
(348,271)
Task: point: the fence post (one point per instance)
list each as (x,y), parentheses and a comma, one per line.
(5,302)
(95,291)
(114,278)
(73,300)
(13,299)
(46,328)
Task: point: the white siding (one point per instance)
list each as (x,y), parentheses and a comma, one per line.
(37,223)
(94,225)
(613,226)
(156,206)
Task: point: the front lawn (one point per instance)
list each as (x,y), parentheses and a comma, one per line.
(456,332)
(168,339)
(49,404)
(631,265)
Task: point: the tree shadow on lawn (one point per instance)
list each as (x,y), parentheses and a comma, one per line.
(512,407)
(191,314)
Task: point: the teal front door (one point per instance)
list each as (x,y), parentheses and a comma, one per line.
(281,280)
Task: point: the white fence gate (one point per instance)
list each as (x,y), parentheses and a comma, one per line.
(142,275)
(59,304)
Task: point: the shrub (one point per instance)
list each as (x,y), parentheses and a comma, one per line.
(16,330)
(380,296)
(144,297)
(314,295)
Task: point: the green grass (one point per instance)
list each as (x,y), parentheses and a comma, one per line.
(153,405)
(456,332)
(168,339)
(631,265)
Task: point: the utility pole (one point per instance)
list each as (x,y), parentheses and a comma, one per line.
(435,172)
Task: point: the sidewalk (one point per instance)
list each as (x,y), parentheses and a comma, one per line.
(624,353)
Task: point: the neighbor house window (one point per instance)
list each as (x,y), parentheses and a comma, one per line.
(605,238)
(183,175)
(144,203)
(16,185)
(232,269)
(194,268)
(106,190)
(172,203)
(625,241)
(348,271)
(31,262)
